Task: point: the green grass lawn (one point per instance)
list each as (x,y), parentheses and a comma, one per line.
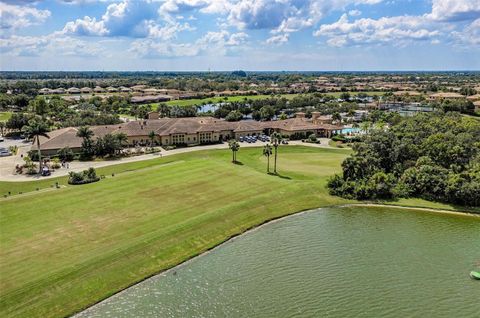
(4,116)
(65,249)
(199,101)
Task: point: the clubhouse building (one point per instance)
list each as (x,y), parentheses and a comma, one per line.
(191,131)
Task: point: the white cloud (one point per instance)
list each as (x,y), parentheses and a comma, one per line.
(470,35)
(15,17)
(395,30)
(180,6)
(278,39)
(86,26)
(354,13)
(455,10)
(219,43)
(128,18)
(284,16)
(54,44)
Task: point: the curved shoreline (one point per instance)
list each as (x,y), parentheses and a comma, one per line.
(259,226)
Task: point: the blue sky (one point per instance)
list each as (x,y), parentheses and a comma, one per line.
(330,35)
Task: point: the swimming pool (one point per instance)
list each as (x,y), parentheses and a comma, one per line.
(349,131)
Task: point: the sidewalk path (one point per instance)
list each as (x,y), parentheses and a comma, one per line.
(7,164)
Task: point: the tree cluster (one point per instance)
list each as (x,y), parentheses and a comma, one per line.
(431,156)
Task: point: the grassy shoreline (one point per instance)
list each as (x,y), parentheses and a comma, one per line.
(72,247)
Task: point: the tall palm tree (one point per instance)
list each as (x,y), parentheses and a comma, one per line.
(35,129)
(267,152)
(86,134)
(234,146)
(276,140)
(152,137)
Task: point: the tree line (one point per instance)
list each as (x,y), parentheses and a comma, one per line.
(431,156)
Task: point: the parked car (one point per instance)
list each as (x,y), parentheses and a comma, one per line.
(4,152)
(285,142)
(2,139)
(241,139)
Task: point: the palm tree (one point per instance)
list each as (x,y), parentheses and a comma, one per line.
(365,126)
(152,137)
(234,146)
(276,140)
(267,152)
(35,129)
(86,134)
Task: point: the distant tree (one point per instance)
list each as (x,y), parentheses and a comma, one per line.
(35,129)
(17,121)
(267,152)
(267,112)
(234,147)
(276,140)
(234,115)
(345,96)
(239,73)
(336,117)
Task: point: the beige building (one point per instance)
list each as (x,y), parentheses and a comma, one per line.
(444,96)
(190,131)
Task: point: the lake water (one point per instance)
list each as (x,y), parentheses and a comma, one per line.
(339,262)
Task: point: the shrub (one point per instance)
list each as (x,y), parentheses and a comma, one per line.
(66,154)
(55,163)
(86,176)
(339,138)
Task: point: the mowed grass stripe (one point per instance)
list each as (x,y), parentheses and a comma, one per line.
(75,246)
(118,185)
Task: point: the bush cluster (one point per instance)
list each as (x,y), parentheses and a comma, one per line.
(434,157)
(86,176)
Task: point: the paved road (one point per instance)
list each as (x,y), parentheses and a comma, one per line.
(7,164)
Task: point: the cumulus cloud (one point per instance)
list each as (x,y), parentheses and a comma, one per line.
(455,10)
(86,26)
(54,44)
(180,6)
(278,39)
(127,18)
(15,16)
(216,42)
(394,30)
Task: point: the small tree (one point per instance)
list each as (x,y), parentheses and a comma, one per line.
(87,144)
(65,154)
(234,146)
(152,137)
(35,129)
(276,140)
(267,152)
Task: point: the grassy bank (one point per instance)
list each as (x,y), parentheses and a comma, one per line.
(68,248)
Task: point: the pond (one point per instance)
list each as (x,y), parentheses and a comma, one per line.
(336,262)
